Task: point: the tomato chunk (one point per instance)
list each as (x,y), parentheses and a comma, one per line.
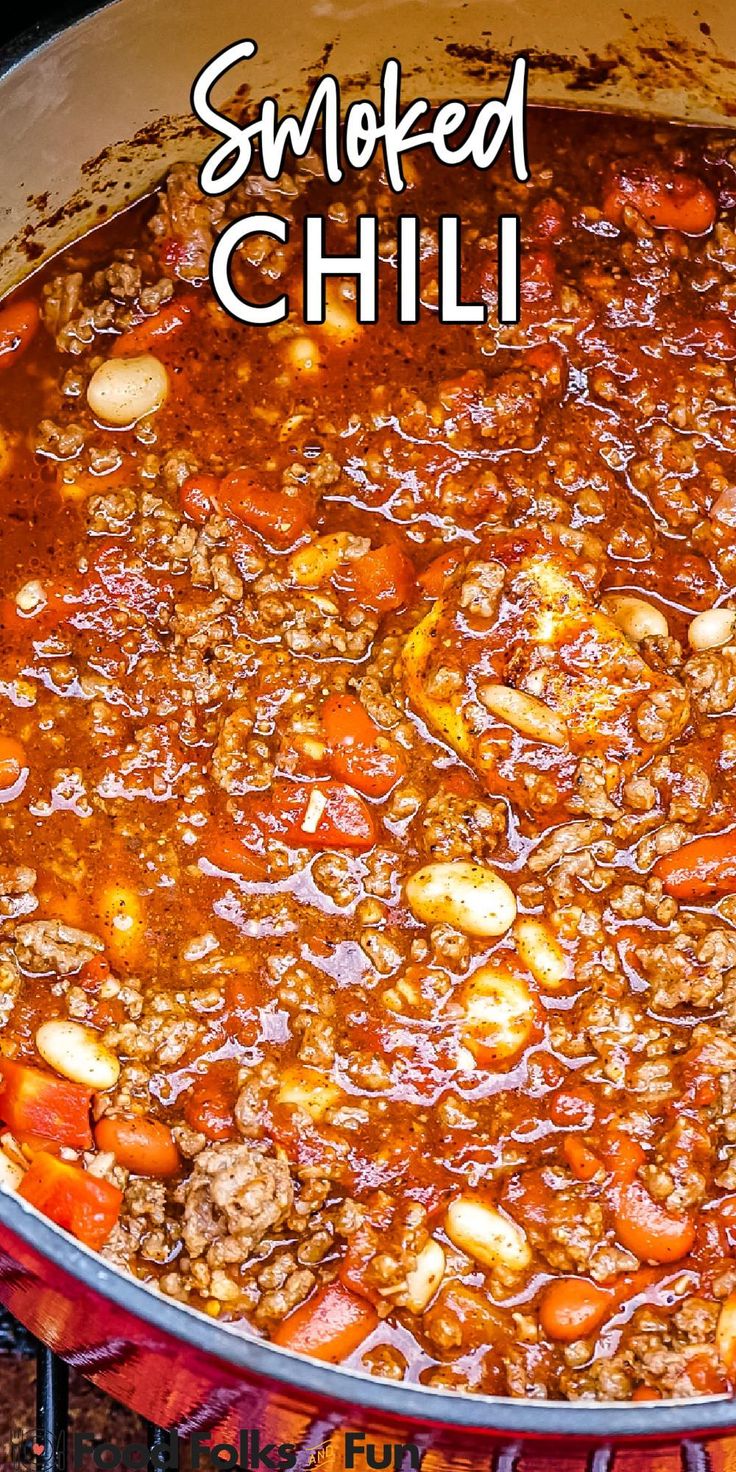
(371,770)
(142,336)
(704,867)
(583,1161)
(279,519)
(624,1156)
(144,1146)
(329,1326)
(81,1203)
(196,495)
(573,1308)
(355,755)
(18,324)
(668,199)
(227,851)
(382,580)
(319,815)
(644,1226)
(435,575)
(34,1102)
(346,721)
(208,1106)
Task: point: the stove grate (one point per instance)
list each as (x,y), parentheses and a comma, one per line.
(51,1448)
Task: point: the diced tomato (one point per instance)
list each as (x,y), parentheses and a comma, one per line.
(208,1106)
(538,276)
(281,520)
(670,199)
(583,1161)
(355,755)
(241,1007)
(197,495)
(13,762)
(549,361)
(706,1376)
(704,867)
(144,1146)
(329,1326)
(572,1107)
(18,324)
(645,1228)
(573,1308)
(371,770)
(346,721)
(34,1102)
(547,219)
(34,1144)
(143,336)
(713,335)
(334,815)
(382,580)
(81,1203)
(227,851)
(93,973)
(623,1156)
(434,578)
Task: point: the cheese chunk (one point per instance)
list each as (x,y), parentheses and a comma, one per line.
(518,670)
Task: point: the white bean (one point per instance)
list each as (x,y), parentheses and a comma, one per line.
(726,1333)
(314,564)
(711,629)
(424,1280)
(77,1053)
(635,617)
(305,1088)
(471,897)
(541,953)
(498,1010)
(529,716)
(31,596)
(124,390)
(303,354)
(11,1173)
(484,1234)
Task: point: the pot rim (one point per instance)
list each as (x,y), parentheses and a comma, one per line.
(471,1413)
(586,1420)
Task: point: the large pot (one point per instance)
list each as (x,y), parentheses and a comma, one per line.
(92,116)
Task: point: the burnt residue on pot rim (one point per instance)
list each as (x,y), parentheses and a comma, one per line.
(650,67)
(647,63)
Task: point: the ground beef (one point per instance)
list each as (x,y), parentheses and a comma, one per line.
(234,1197)
(454,827)
(568,839)
(337,1065)
(689,968)
(186,222)
(658,1350)
(50,945)
(711,680)
(17,882)
(9,982)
